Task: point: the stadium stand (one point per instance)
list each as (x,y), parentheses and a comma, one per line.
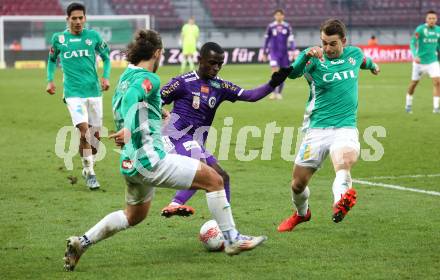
(163,11)
(306,13)
(30,7)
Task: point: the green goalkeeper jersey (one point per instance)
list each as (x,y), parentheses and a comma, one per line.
(137,106)
(425,42)
(77,55)
(333,99)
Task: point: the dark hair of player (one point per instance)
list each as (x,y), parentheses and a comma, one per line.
(75,7)
(334,26)
(210,46)
(281,11)
(431,12)
(145,43)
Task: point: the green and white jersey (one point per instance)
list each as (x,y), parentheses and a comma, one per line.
(425,42)
(137,106)
(333,99)
(78,60)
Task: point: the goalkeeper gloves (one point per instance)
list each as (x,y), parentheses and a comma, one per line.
(280,76)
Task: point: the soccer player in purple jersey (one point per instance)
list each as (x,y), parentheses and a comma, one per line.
(278,42)
(196,96)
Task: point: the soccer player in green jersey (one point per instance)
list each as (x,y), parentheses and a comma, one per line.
(144,163)
(189,37)
(425,44)
(330,119)
(77,47)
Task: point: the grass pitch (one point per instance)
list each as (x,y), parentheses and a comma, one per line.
(390,234)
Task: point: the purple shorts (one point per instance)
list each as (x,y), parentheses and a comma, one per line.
(187,146)
(277,60)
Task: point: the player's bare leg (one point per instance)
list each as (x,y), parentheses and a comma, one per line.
(436,95)
(86,152)
(409,96)
(344,195)
(300,195)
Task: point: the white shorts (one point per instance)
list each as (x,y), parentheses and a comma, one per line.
(318,143)
(432,69)
(173,171)
(85,110)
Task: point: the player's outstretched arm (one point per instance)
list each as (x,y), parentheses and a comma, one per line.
(303,58)
(262,91)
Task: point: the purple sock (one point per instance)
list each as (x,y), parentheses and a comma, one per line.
(280,88)
(227,191)
(183,196)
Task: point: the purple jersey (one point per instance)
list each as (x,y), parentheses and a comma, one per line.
(195,102)
(279,39)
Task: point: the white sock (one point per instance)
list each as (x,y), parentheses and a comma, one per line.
(409,100)
(109,225)
(301,201)
(87,163)
(436,102)
(172,203)
(341,184)
(221,211)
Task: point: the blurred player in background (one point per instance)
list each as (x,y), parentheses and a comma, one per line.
(77,48)
(189,37)
(425,44)
(145,164)
(330,119)
(278,42)
(196,97)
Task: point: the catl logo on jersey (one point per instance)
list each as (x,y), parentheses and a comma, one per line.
(61,39)
(78,53)
(338,76)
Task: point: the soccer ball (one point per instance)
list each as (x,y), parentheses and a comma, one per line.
(211,236)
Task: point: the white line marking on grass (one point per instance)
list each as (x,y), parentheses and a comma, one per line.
(401,176)
(396,187)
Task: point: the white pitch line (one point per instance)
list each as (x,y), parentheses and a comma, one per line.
(401,176)
(396,187)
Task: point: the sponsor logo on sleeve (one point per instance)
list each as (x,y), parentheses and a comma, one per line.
(127,164)
(147,86)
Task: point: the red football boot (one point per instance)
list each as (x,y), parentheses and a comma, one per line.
(290,223)
(179,210)
(341,208)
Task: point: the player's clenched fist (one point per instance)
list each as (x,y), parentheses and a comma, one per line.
(280,76)
(50,88)
(105,84)
(315,52)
